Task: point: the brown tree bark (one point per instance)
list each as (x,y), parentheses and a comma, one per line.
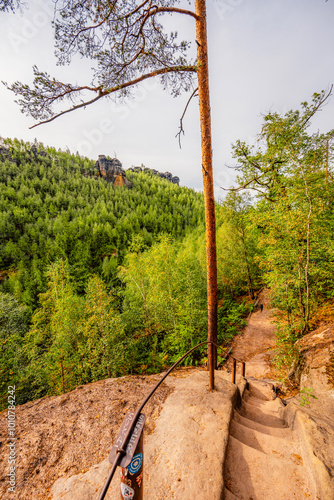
(210,223)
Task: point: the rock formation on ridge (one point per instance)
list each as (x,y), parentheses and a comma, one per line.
(166,175)
(111,171)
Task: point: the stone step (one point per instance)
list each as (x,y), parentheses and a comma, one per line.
(250,398)
(273,404)
(262,417)
(228,495)
(268,407)
(249,473)
(271,445)
(283,432)
(253,400)
(261,389)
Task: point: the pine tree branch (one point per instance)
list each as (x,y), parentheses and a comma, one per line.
(87,28)
(155,10)
(129,14)
(174,9)
(104,93)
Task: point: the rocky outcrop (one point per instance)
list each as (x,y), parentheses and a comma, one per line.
(314,369)
(111,171)
(166,175)
(36,152)
(6,154)
(311,412)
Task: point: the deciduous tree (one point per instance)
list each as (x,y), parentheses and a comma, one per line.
(292,175)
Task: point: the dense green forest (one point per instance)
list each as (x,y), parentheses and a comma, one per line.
(98,281)
(52,208)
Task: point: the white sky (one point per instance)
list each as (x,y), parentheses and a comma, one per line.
(264,55)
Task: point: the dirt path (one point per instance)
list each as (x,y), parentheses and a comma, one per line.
(257,343)
(264,454)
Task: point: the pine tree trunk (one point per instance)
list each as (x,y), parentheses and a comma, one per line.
(205,118)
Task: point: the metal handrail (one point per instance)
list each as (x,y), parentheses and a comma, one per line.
(121,450)
(234,368)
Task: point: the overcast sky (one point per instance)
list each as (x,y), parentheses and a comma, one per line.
(264,55)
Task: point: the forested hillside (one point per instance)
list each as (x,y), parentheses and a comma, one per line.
(98,281)
(52,208)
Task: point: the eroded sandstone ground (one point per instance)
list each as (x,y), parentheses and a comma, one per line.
(66,435)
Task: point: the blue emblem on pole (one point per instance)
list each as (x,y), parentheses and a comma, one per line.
(136,463)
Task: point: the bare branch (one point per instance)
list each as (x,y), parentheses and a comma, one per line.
(240,187)
(235,190)
(320,103)
(264,184)
(244,186)
(181,131)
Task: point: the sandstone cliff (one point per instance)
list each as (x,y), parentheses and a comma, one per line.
(111,171)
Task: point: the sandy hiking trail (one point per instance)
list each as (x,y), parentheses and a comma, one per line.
(256,345)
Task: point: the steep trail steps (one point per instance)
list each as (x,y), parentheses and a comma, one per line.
(263,456)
